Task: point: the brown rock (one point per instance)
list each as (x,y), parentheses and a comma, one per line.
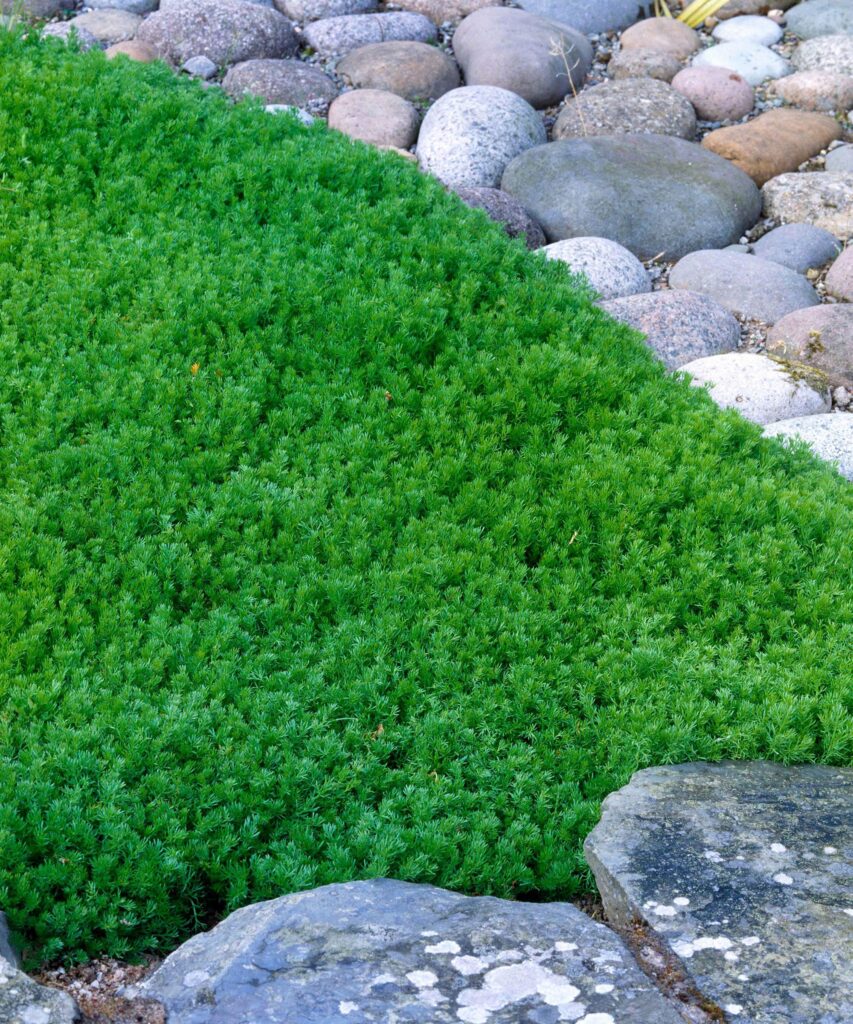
(773,143)
(816,90)
(376,117)
(664,35)
(644,64)
(839,280)
(820,337)
(441,11)
(717,94)
(414,71)
(133,49)
(289,82)
(109,25)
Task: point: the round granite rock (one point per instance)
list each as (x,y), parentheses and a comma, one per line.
(644,64)
(588,16)
(36,8)
(751,61)
(839,280)
(813,197)
(470,135)
(663,35)
(799,247)
(755,288)
(508,212)
(760,389)
(134,6)
(108,26)
(289,82)
(825,53)
(679,326)
(225,31)
(340,35)
(830,437)
(821,18)
(717,94)
(820,338)
(816,90)
(748,28)
(840,160)
(630,106)
(414,71)
(532,56)
(444,12)
(65,31)
(651,193)
(313,10)
(609,268)
(376,117)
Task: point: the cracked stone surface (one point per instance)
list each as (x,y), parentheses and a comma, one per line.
(745,873)
(384,951)
(23,1001)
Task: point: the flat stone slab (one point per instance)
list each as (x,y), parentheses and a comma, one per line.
(744,872)
(387,951)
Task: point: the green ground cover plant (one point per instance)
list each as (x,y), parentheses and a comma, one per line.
(341,537)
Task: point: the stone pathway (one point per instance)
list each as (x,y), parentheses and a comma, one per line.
(584,120)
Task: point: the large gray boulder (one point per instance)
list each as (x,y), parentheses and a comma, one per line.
(469,135)
(821,18)
(23,1001)
(392,951)
(652,193)
(225,31)
(743,872)
(589,16)
(532,56)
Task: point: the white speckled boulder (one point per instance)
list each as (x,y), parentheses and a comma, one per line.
(743,874)
(611,271)
(386,951)
(829,436)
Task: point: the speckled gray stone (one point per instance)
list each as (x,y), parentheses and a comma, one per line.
(313,10)
(759,388)
(678,326)
(744,873)
(644,64)
(611,271)
(7,953)
(65,31)
(819,338)
(469,135)
(840,160)
(627,106)
(532,56)
(748,28)
(508,212)
(290,82)
(392,951)
(225,31)
(751,61)
(340,35)
(748,285)
(22,1001)
(799,247)
(108,26)
(199,67)
(825,53)
(821,18)
(651,193)
(812,197)
(589,16)
(134,6)
(830,437)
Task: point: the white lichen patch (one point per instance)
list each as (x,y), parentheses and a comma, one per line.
(663,911)
(422,979)
(830,850)
(603,990)
(714,856)
(382,979)
(848,911)
(778,848)
(734,1009)
(686,948)
(597,1018)
(447,946)
(503,986)
(750,940)
(732,956)
(782,879)
(509,956)
(681,901)
(428,935)
(195,978)
(431,996)
(347,1007)
(468,965)
(565,947)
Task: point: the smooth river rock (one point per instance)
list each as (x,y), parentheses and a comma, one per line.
(386,951)
(839,280)
(748,28)
(341,34)
(532,56)
(774,142)
(663,35)
(679,326)
(508,212)
(821,18)
(651,193)
(717,94)
(313,10)
(470,135)
(610,270)
(830,437)
(748,285)
(744,873)
(624,107)
(819,338)
(816,90)
(825,53)
(412,70)
(751,61)
(290,82)
(225,31)
(644,64)
(376,117)
(800,247)
(108,26)
(589,16)
(814,197)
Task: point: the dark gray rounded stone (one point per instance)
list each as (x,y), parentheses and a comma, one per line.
(679,326)
(289,82)
(225,31)
(508,212)
(799,247)
(821,18)
(748,285)
(627,106)
(652,193)
(840,160)
(388,951)
(589,16)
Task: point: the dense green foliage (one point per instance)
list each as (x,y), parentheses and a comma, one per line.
(340,537)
